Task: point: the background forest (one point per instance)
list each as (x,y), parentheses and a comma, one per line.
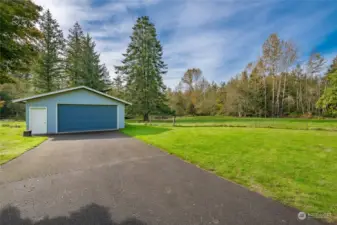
(37,58)
(275,85)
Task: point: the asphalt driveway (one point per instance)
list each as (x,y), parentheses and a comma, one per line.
(112,179)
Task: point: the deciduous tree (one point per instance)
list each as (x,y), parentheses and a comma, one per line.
(328,101)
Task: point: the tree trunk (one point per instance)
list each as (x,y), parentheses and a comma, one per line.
(146,117)
(297,95)
(273,97)
(278,97)
(306,94)
(301,97)
(318,94)
(265,97)
(283,94)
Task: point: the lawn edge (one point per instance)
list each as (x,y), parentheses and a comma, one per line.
(232,126)
(330,221)
(17,156)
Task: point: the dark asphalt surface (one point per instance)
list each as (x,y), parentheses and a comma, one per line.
(111,179)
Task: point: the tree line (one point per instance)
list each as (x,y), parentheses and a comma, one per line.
(36,58)
(67,62)
(275,85)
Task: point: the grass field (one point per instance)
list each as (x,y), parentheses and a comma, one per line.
(281,123)
(296,167)
(12,143)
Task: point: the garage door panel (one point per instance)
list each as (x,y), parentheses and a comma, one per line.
(72,118)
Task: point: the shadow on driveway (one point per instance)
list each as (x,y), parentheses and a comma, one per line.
(87,215)
(88,136)
(134,130)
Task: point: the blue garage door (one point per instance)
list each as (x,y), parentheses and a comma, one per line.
(72,118)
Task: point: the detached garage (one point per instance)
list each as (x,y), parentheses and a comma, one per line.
(79,109)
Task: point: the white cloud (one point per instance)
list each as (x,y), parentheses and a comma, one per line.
(112,20)
(219,37)
(229,48)
(195,44)
(66,12)
(195,49)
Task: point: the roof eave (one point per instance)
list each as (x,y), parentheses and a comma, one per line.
(19,101)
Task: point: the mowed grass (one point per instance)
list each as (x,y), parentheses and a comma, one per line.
(256,122)
(296,167)
(12,143)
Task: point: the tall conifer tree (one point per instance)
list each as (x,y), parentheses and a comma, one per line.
(143,68)
(74,56)
(48,69)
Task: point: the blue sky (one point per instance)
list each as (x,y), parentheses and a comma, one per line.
(218,36)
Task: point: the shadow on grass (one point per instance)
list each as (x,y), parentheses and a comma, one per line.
(87,215)
(141,130)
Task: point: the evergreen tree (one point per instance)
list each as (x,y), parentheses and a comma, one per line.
(117,87)
(74,56)
(91,67)
(328,100)
(94,74)
(49,66)
(104,78)
(143,68)
(256,91)
(18,35)
(333,66)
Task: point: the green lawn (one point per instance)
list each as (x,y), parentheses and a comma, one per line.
(285,123)
(12,143)
(296,167)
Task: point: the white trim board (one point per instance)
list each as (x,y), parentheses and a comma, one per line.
(56,118)
(71,89)
(117,116)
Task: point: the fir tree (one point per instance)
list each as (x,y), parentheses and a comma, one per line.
(91,67)
(117,87)
(48,68)
(104,78)
(94,74)
(143,68)
(74,56)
